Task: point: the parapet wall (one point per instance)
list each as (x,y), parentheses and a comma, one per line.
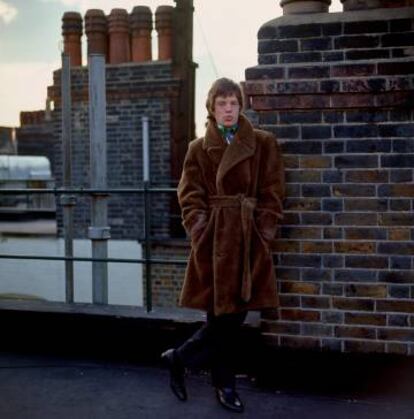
(337,90)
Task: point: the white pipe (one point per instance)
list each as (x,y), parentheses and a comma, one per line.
(145,149)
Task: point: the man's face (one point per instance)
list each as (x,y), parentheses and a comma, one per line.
(226,110)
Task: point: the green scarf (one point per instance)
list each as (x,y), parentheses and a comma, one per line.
(228,133)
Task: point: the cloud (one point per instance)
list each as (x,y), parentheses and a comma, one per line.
(229,43)
(16,81)
(7,12)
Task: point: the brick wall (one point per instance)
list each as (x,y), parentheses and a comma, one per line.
(337,90)
(133,90)
(34,136)
(167,280)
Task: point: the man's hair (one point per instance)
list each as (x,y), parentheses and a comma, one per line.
(222,87)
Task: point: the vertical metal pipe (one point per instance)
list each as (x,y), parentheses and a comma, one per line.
(147,210)
(67,201)
(147,234)
(99,232)
(66,120)
(145,149)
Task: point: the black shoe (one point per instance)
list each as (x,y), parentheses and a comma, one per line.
(229,399)
(177,372)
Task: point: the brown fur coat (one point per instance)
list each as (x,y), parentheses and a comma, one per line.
(231,201)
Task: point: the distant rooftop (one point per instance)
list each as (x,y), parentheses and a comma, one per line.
(24,168)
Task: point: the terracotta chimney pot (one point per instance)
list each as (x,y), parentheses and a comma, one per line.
(96,31)
(291,7)
(72,34)
(118,29)
(141,26)
(163,25)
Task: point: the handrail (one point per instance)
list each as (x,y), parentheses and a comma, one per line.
(29,191)
(84,259)
(147,260)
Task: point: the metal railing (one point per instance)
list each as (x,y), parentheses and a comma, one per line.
(147,261)
(99,231)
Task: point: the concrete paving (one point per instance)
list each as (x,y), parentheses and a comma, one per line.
(43,387)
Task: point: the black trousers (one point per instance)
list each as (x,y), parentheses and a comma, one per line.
(215,345)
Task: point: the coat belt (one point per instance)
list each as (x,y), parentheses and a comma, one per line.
(247,206)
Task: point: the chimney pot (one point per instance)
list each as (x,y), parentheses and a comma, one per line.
(141,27)
(118,29)
(291,7)
(72,34)
(163,25)
(96,31)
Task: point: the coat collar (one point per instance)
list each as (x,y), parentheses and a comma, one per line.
(226,156)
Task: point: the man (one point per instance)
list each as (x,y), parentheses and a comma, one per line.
(230,193)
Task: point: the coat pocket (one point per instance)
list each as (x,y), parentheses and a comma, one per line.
(200,237)
(264,242)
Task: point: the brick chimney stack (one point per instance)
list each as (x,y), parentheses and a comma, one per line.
(141,27)
(96,31)
(118,30)
(163,25)
(72,34)
(335,88)
(291,7)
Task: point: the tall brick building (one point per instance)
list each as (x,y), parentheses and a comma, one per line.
(136,85)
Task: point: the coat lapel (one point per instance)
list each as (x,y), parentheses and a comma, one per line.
(226,156)
(214,144)
(242,148)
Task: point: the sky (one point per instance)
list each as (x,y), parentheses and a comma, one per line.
(225,44)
